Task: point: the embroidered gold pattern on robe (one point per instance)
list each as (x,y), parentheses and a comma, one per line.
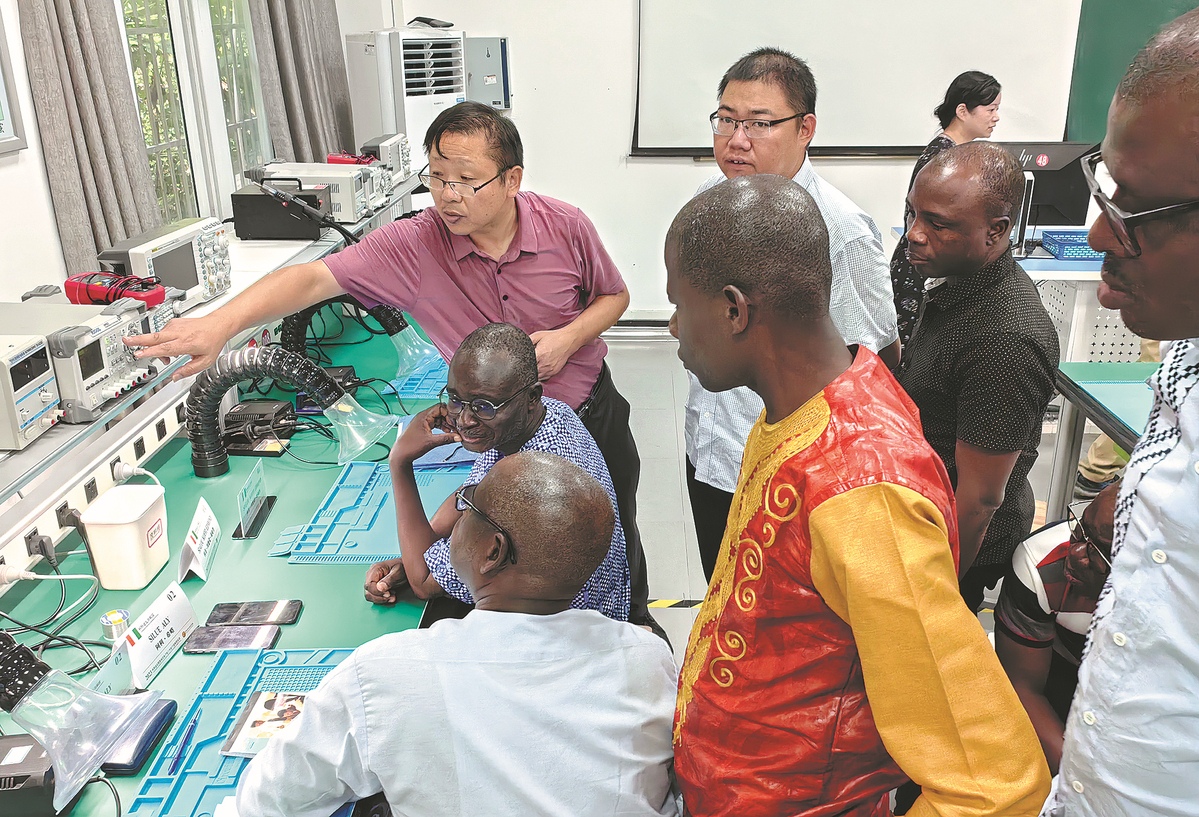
(742,558)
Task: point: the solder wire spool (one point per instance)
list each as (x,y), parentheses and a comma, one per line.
(114,623)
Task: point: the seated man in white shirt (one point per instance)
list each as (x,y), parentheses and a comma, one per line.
(765,119)
(523,707)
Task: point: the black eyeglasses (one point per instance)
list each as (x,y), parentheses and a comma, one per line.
(1079,535)
(754,128)
(1123,223)
(460,189)
(464,499)
(483,409)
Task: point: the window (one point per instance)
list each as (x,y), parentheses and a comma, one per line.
(156,87)
(197,86)
(240,87)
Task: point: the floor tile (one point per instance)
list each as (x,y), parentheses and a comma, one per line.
(660,494)
(656,432)
(677,621)
(665,559)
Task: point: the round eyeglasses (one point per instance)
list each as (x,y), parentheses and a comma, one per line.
(482,409)
(1079,535)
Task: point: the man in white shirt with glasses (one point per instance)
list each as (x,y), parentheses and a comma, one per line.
(523,707)
(765,120)
(1132,737)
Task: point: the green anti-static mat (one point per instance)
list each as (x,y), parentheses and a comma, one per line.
(356,521)
(205,777)
(1129,402)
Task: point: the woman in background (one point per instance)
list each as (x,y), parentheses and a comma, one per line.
(969,111)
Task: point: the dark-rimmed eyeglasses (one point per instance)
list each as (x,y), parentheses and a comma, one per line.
(461,189)
(464,499)
(1124,223)
(482,409)
(754,128)
(1079,535)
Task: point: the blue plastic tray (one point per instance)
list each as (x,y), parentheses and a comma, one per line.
(355,522)
(205,777)
(1068,245)
(423,384)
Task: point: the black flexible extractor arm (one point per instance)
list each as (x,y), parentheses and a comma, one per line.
(294,333)
(209,457)
(20,670)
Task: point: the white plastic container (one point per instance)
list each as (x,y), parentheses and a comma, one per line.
(127,533)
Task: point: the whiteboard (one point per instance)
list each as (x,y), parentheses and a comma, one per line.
(881,66)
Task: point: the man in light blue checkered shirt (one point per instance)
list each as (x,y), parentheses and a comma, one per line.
(765,120)
(492,405)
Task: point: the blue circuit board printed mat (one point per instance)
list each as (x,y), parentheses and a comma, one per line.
(423,384)
(205,777)
(356,521)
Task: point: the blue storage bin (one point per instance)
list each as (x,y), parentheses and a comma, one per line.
(1068,245)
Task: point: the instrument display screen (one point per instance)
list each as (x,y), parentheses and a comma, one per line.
(177,267)
(91,360)
(28,369)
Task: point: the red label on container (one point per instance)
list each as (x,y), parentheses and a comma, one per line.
(154,534)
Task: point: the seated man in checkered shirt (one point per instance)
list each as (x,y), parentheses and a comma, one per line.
(493,405)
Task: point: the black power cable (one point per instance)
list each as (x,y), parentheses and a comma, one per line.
(116,797)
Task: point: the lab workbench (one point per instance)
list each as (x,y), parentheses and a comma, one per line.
(1115,397)
(55,468)
(335,613)
(36,480)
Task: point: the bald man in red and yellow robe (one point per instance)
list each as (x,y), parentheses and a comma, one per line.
(833,647)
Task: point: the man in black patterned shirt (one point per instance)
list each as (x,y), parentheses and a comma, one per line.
(981,362)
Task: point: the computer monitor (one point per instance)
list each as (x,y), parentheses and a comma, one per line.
(1060,195)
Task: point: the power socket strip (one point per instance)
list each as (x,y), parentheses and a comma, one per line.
(78,479)
(140,435)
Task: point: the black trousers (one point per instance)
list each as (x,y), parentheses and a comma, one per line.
(710,510)
(605,413)
(976,581)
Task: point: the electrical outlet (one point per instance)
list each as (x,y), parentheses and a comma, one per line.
(112,468)
(181,413)
(51,500)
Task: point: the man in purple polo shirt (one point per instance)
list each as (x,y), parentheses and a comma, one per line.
(487,253)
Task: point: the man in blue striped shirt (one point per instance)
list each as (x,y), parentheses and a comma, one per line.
(492,405)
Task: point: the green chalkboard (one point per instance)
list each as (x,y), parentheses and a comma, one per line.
(1110,33)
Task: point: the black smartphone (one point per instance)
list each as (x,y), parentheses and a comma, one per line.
(255,612)
(215,639)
